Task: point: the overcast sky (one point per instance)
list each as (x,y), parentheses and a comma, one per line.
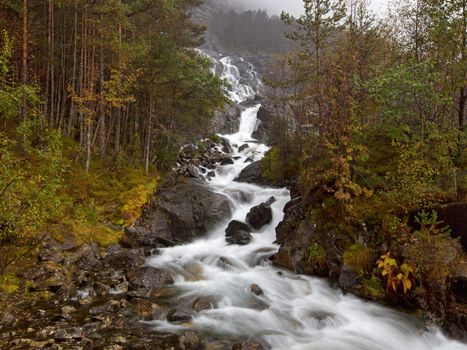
(295,6)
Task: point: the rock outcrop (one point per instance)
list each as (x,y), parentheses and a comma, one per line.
(178,214)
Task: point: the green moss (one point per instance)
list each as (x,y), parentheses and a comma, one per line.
(372,288)
(102,235)
(358,256)
(9,283)
(316,253)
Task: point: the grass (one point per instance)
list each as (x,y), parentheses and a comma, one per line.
(9,283)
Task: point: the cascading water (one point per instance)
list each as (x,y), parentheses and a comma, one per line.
(294,311)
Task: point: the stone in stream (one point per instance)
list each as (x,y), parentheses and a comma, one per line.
(204,303)
(175,315)
(248,346)
(260,215)
(148,277)
(238,233)
(227,161)
(243,147)
(226,147)
(256,290)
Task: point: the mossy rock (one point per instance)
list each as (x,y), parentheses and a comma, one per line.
(358,257)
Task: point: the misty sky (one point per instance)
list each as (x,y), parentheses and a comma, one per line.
(295,6)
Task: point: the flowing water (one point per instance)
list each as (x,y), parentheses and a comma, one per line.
(295,311)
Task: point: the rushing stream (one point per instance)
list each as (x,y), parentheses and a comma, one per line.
(294,312)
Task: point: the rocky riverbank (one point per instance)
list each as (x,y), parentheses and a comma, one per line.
(308,247)
(85,297)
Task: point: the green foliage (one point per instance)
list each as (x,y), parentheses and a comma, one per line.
(316,254)
(432,250)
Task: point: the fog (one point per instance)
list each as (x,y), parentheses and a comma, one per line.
(293,6)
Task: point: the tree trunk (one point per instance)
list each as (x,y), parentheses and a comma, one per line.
(147,153)
(24,61)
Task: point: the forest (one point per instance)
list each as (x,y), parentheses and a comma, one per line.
(375,133)
(122,159)
(95,99)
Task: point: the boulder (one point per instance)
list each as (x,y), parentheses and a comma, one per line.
(243,147)
(238,233)
(226,147)
(123,259)
(260,215)
(240,238)
(204,303)
(175,315)
(227,161)
(348,278)
(193,171)
(256,290)
(251,174)
(148,277)
(87,257)
(178,214)
(265,120)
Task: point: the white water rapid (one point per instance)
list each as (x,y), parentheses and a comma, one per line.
(295,312)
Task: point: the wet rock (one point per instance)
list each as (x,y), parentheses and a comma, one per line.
(227,121)
(178,213)
(67,312)
(120,258)
(175,315)
(459,283)
(243,147)
(226,147)
(235,226)
(239,238)
(259,216)
(204,303)
(256,290)
(238,233)
(51,282)
(348,278)
(253,173)
(69,333)
(148,277)
(248,346)
(240,196)
(265,120)
(7,320)
(87,258)
(189,341)
(148,310)
(193,171)
(227,161)
(99,289)
(112,306)
(50,255)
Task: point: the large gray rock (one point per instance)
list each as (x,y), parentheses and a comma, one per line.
(253,174)
(260,215)
(265,118)
(180,212)
(238,233)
